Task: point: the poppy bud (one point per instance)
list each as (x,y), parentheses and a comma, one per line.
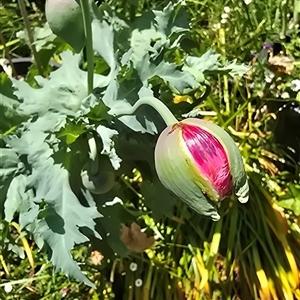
(201,164)
(65,20)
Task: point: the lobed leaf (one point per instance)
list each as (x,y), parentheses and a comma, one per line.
(209,63)
(60,222)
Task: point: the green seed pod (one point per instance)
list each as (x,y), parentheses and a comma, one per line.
(65,20)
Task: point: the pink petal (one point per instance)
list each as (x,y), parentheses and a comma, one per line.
(210,157)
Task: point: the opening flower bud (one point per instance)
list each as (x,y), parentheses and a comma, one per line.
(201,164)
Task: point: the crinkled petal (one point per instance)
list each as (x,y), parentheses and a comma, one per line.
(240,182)
(210,157)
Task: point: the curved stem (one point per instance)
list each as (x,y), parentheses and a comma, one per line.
(93,155)
(87,22)
(155,103)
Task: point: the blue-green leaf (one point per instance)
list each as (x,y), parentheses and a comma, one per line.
(209,63)
(64,217)
(107,135)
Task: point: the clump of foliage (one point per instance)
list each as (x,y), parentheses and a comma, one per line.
(44,155)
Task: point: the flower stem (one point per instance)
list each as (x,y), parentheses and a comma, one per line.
(284,12)
(30,36)
(86,15)
(222,43)
(155,103)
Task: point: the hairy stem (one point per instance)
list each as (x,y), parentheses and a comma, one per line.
(30,36)
(87,22)
(155,103)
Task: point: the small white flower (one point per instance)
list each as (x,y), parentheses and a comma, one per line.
(285,95)
(223,21)
(247,2)
(224,16)
(295,85)
(292,26)
(216,26)
(133,267)
(227,9)
(8,287)
(138,282)
(269,77)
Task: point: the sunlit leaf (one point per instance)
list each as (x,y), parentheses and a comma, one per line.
(291,200)
(72,131)
(210,63)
